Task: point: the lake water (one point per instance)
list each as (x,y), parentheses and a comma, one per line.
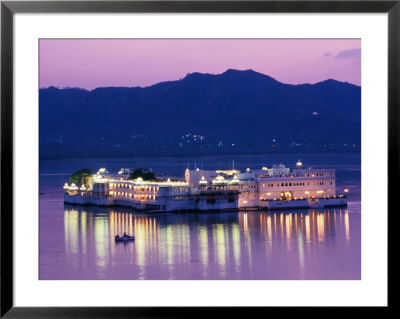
(78,242)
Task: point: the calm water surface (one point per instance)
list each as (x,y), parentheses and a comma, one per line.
(78,242)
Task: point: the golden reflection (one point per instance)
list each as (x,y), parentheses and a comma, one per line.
(269,232)
(219,246)
(328,220)
(334,217)
(142,242)
(164,242)
(288,224)
(203,243)
(101,241)
(145,230)
(71,228)
(227,241)
(247,239)
(169,249)
(347,226)
(281,223)
(83,231)
(314,225)
(321,226)
(308,231)
(130,225)
(236,246)
(184,231)
(300,250)
(265,230)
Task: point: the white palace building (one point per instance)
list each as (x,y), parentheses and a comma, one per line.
(277,187)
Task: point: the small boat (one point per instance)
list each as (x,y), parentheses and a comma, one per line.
(125,237)
(128,237)
(117,238)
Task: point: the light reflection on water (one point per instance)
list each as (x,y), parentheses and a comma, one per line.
(300,244)
(78,242)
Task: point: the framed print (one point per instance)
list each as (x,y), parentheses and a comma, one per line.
(158,156)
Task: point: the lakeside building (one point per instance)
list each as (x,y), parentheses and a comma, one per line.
(277,187)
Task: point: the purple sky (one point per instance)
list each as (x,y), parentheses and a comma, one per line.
(94,63)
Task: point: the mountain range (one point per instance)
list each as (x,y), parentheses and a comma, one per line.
(236,112)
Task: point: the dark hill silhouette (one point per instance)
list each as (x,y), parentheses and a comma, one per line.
(250,110)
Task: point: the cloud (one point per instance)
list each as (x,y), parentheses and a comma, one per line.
(327,54)
(352,54)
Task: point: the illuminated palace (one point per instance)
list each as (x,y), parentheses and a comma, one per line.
(277,187)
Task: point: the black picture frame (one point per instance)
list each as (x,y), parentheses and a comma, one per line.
(9,8)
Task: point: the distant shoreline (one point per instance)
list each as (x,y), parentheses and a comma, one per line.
(154,156)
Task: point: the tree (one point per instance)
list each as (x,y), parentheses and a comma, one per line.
(138,172)
(80,177)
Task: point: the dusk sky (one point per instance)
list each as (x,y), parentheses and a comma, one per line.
(98,63)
